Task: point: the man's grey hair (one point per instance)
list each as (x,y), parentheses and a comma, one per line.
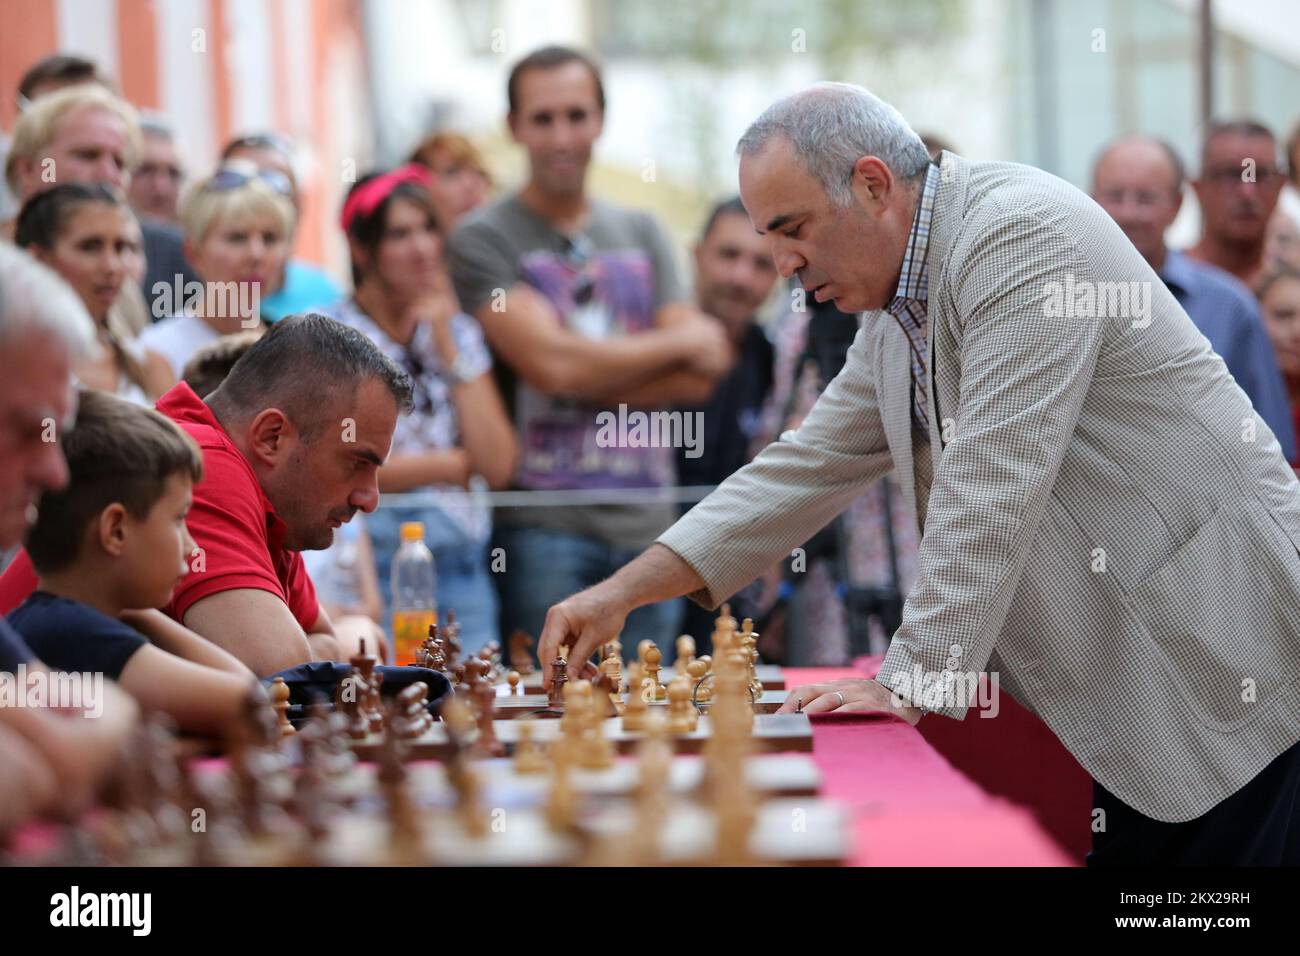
(831,126)
(34,298)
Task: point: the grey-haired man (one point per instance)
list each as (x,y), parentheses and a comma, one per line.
(1108,524)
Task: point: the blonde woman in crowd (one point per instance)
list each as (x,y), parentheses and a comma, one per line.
(237,224)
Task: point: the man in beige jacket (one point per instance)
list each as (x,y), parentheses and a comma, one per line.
(1107,524)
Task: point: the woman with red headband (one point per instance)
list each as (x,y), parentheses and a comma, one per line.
(458,436)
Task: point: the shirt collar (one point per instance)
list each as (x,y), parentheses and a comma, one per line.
(1178,272)
(914,279)
(183,406)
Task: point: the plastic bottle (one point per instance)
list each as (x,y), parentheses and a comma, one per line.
(415,605)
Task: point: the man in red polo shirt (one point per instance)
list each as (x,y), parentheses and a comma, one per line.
(285,462)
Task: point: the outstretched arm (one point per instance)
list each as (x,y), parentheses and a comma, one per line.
(594,617)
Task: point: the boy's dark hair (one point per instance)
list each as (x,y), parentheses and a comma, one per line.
(305,365)
(64,68)
(117,453)
(548,58)
(209,366)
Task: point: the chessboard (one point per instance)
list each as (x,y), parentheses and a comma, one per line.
(771,733)
(785,832)
(771,676)
(692,782)
(511,705)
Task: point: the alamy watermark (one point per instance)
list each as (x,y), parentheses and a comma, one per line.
(241,300)
(659,429)
(58,690)
(932,690)
(1098,300)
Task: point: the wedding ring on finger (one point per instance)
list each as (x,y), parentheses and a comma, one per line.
(840,695)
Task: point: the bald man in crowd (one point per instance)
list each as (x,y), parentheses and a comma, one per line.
(1138,180)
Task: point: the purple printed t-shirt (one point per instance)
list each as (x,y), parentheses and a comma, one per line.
(605,282)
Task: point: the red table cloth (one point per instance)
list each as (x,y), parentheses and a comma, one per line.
(910,806)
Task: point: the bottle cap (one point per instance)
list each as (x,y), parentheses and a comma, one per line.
(412,530)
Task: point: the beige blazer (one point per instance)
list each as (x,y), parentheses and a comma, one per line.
(1111,528)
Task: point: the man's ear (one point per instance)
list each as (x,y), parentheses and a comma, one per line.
(872,180)
(110,528)
(267,435)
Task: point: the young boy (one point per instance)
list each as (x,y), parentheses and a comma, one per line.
(113,539)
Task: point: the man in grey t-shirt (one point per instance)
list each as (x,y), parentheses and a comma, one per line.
(581,304)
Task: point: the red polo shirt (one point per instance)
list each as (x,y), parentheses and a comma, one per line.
(241,538)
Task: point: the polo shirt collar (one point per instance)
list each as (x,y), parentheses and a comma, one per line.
(182,405)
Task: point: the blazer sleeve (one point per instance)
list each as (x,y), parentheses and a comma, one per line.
(792,489)
(1024,374)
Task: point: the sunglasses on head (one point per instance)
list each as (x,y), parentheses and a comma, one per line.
(227,178)
(261,141)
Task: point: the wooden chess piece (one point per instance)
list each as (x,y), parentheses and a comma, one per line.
(654,766)
(405,834)
(595,750)
(363,664)
(280,701)
(529,758)
(608,690)
(420,707)
(487,744)
(749,640)
(404,719)
(436,656)
(725,620)
(682,716)
(561,798)
(638,703)
(513,680)
(452,638)
(376,703)
(492,654)
(559,677)
(518,646)
(347,701)
(612,668)
(577,696)
(652,658)
(701,692)
(685,654)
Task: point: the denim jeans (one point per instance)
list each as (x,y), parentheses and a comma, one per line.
(464,584)
(543,567)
